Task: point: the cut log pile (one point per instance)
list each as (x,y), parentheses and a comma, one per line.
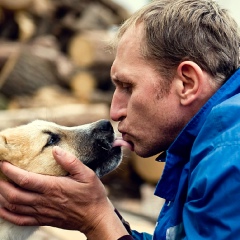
(54,52)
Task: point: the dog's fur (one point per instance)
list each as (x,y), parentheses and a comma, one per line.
(30,147)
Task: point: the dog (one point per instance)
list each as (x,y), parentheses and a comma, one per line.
(30,147)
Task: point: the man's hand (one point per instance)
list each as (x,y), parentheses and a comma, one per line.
(78,201)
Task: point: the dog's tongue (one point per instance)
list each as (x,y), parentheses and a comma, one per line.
(119,142)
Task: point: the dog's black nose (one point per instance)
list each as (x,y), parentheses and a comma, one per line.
(105,125)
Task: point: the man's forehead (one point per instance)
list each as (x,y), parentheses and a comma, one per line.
(133,33)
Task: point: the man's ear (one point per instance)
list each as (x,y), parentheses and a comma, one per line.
(189,76)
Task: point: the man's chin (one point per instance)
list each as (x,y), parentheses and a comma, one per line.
(145,154)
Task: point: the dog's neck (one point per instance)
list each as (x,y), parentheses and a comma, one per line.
(9,231)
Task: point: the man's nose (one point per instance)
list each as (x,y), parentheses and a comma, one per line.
(118,110)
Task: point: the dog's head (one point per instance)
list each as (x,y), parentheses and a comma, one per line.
(30,146)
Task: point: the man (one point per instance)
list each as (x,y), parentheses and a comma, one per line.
(177,90)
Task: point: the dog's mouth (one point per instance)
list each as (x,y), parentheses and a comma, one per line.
(107,158)
(104,144)
(117,142)
(100,150)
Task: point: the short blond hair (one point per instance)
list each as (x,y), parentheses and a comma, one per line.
(195,30)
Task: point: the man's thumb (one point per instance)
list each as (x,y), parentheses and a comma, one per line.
(69,162)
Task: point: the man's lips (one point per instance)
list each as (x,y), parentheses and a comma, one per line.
(119,142)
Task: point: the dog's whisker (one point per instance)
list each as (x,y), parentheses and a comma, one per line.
(105,148)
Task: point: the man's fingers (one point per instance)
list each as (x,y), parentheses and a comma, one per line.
(14,194)
(24,179)
(72,165)
(18,219)
(15,208)
(17,202)
(25,219)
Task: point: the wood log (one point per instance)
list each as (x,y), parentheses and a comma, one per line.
(9,29)
(26,25)
(94,16)
(90,48)
(41,8)
(89,14)
(67,115)
(102,76)
(25,68)
(7,64)
(26,73)
(15,4)
(117,9)
(83,85)
(49,96)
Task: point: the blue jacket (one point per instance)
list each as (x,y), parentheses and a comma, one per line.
(201,179)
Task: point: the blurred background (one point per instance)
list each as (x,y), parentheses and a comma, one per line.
(54,65)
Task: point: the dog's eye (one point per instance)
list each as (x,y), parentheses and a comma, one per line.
(53,139)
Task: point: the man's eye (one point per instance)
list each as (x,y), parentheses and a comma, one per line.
(127,87)
(123,86)
(52,140)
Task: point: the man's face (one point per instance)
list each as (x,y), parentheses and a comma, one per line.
(149,119)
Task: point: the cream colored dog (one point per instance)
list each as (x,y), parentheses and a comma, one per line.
(30,147)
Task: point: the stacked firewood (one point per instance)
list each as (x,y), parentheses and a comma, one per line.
(54,52)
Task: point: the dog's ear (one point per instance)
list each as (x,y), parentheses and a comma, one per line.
(3,153)
(3,147)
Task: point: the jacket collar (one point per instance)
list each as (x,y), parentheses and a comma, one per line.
(178,153)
